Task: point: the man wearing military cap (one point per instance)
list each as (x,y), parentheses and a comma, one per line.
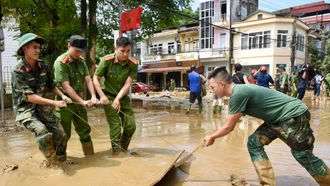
(31,80)
(71,73)
(119,70)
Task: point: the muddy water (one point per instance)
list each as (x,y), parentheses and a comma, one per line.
(163,130)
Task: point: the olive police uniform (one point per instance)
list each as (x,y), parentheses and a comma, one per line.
(74,71)
(115,75)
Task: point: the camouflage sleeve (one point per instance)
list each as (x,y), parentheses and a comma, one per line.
(20,85)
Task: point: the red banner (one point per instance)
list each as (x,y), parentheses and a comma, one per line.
(131,20)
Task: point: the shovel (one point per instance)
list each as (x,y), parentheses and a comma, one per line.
(185,158)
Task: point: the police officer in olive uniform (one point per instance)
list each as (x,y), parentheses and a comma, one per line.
(71,72)
(31,81)
(119,70)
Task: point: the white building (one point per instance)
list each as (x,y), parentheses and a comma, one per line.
(263,39)
(9,61)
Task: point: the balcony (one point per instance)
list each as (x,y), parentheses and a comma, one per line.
(220,19)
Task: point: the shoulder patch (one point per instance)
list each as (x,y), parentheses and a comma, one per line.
(132,60)
(110,57)
(66,59)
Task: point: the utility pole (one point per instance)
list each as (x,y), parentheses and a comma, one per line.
(293,45)
(230,41)
(2,48)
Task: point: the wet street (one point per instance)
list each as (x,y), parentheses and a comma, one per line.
(163,130)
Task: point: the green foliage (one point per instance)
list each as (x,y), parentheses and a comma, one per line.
(57,20)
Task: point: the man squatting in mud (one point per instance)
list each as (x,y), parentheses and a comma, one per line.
(31,80)
(284,117)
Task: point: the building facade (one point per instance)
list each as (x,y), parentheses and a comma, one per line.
(264,39)
(168,54)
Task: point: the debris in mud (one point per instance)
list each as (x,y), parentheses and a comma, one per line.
(236,181)
(9,168)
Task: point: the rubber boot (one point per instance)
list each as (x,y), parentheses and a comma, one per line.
(219,108)
(200,108)
(47,148)
(116,149)
(189,107)
(88,148)
(323,181)
(265,172)
(125,143)
(214,108)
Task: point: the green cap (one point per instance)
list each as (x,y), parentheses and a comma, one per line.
(26,38)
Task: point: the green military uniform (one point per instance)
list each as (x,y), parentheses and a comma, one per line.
(74,71)
(115,75)
(39,119)
(284,82)
(285,118)
(294,81)
(172,85)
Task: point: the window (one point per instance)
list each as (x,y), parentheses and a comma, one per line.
(178,46)
(206,29)
(223,42)
(196,45)
(255,40)
(170,47)
(186,46)
(282,36)
(259,16)
(244,41)
(266,43)
(243,13)
(300,42)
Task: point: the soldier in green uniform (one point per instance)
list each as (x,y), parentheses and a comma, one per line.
(118,71)
(284,77)
(31,81)
(294,86)
(71,73)
(285,117)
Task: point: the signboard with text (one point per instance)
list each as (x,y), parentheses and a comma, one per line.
(189,56)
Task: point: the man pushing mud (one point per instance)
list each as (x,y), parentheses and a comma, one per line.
(284,117)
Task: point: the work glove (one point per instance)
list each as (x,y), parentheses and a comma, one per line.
(66,99)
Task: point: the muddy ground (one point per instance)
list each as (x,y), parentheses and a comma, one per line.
(163,130)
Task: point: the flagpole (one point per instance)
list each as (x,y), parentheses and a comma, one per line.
(120,11)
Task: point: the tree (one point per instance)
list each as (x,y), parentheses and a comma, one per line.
(54,20)
(57,20)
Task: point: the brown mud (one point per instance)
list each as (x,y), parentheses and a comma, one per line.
(163,130)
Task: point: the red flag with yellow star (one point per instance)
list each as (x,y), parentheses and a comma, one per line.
(131,20)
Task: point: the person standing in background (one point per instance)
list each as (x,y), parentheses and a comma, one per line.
(302,82)
(239,77)
(195,89)
(294,86)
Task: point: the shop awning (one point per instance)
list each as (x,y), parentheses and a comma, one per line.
(164,69)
